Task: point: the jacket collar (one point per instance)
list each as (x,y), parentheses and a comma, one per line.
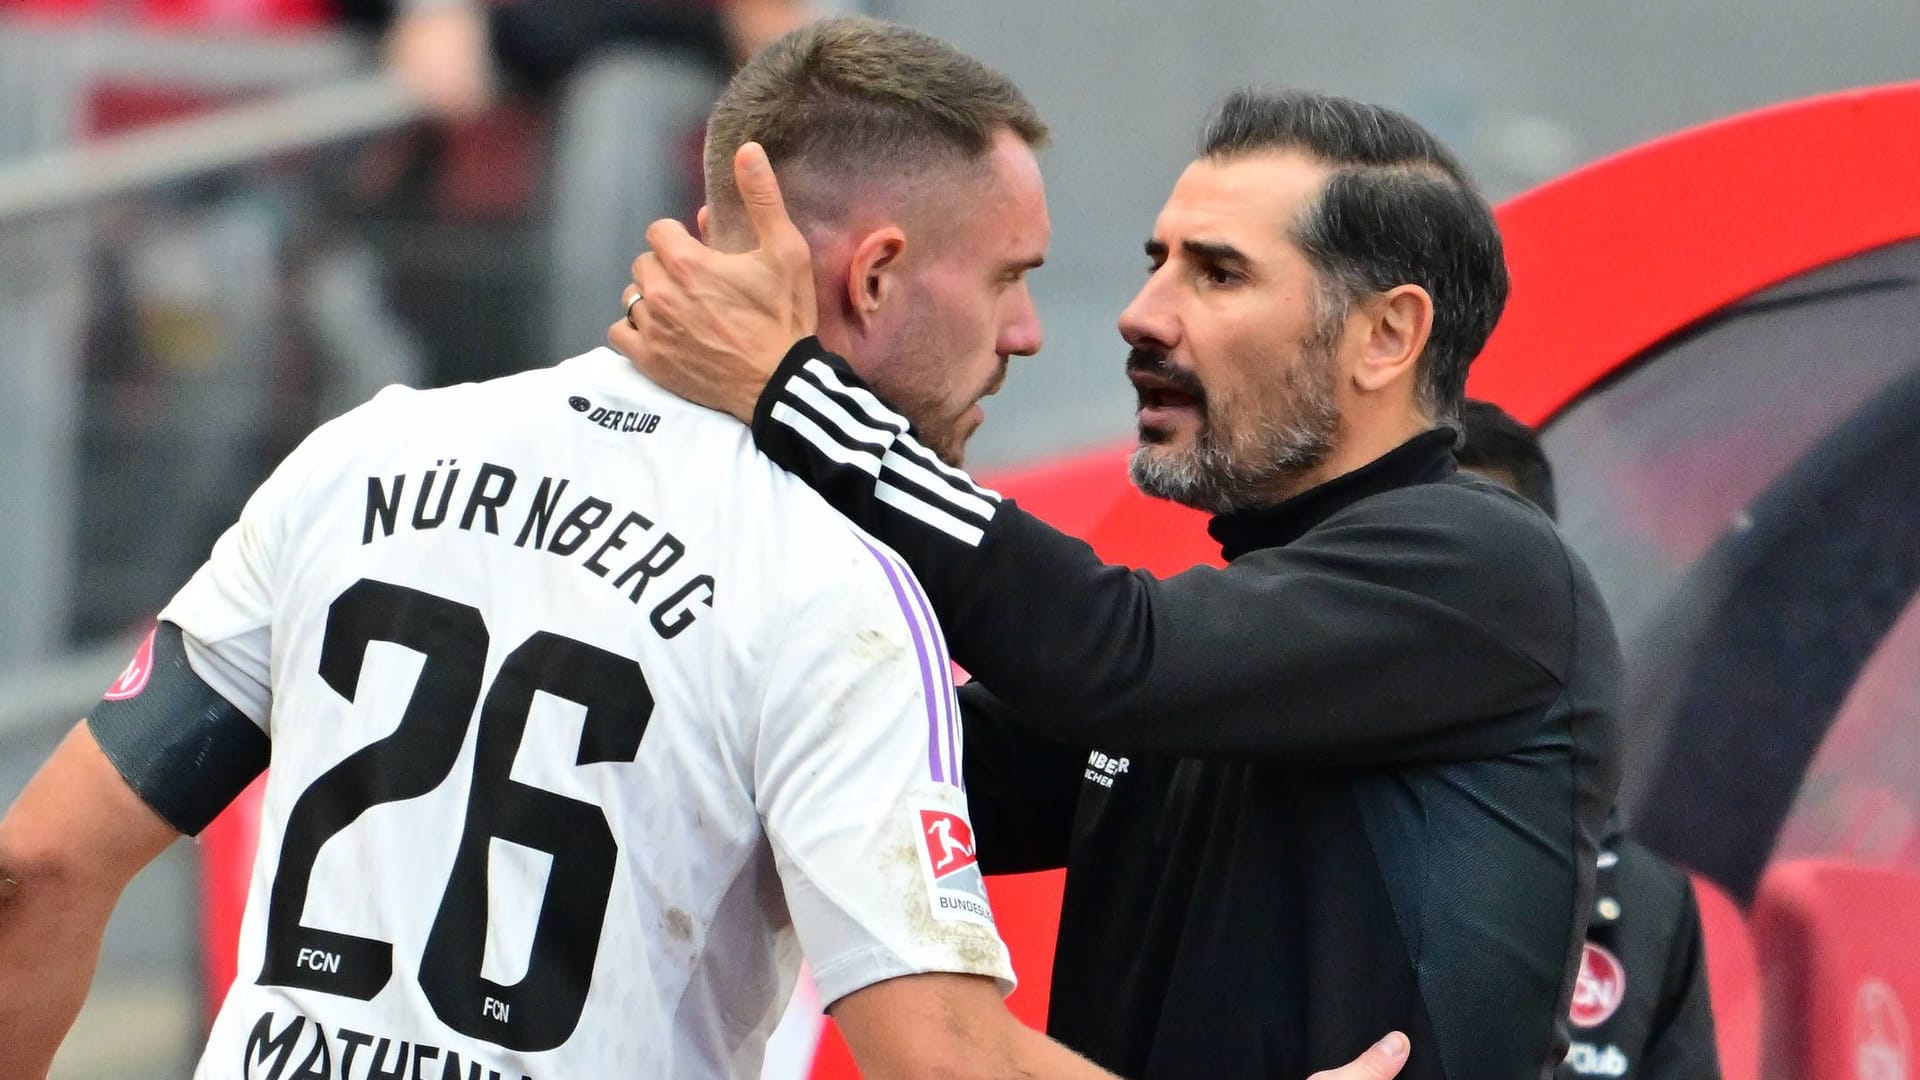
(1423,459)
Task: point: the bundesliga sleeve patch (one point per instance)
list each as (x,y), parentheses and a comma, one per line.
(954,885)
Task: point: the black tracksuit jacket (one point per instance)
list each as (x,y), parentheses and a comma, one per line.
(1354,781)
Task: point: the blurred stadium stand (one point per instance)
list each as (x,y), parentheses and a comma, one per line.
(191,278)
(192,274)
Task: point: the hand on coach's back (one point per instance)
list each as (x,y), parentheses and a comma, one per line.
(712,326)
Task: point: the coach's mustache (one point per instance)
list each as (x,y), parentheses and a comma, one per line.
(1154,362)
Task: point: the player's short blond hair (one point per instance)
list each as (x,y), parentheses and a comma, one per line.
(844,102)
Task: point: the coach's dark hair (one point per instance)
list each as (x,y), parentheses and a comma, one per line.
(1494,443)
(843,101)
(1398,210)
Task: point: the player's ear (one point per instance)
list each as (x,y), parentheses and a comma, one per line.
(873,272)
(700,220)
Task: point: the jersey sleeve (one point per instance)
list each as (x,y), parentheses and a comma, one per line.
(1386,633)
(858,782)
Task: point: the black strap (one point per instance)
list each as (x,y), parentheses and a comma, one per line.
(185,749)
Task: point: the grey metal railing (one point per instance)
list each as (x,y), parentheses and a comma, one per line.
(292,94)
(62,203)
(74,175)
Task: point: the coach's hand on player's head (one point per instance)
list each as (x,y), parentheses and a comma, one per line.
(712,326)
(1382,1061)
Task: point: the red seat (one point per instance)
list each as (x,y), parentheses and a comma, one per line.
(1733,980)
(1840,948)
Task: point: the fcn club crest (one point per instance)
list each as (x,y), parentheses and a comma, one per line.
(138,671)
(1598,991)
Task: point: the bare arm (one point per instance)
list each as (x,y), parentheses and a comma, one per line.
(68,846)
(955,1026)
(948,1026)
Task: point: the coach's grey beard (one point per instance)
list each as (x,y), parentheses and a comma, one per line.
(1224,471)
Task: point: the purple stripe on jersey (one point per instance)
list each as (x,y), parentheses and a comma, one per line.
(946,679)
(926,665)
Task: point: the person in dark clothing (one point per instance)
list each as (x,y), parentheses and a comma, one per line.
(456,54)
(1495,445)
(1641,1010)
(1357,776)
(561,127)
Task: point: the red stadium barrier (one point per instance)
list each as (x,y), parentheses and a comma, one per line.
(1614,257)
(1842,988)
(1733,980)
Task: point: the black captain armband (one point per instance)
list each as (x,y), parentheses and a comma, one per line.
(185,749)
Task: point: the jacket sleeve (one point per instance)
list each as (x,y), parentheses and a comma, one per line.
(1411,626)
(1022,790)
(1681,1044)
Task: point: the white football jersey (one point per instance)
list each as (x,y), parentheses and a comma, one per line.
(586,721)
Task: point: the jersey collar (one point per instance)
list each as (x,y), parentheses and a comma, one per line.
(1423,459)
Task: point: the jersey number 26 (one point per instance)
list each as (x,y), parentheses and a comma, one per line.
(538,1012)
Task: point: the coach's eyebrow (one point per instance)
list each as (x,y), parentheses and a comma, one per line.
(1217,252)
(1213,252)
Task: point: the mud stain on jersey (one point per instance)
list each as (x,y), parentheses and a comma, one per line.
(679,924)
(875,645)
(977,948)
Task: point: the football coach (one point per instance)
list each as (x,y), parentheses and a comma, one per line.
(1352,780)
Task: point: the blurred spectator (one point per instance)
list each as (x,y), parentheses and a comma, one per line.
(456,54)
(260,300)
(1505,451)
(571,124)
(629,82)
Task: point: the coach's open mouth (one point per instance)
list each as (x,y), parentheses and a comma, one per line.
(1161,401)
